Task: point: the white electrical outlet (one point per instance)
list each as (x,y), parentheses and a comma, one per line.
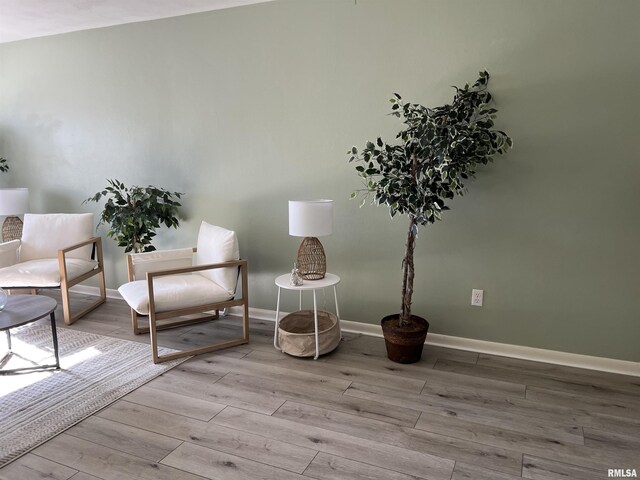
(476,297)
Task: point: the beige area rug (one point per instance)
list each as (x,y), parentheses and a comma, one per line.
(95,371)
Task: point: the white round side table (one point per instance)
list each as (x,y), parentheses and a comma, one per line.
(329,280)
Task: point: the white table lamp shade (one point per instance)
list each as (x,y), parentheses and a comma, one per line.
(14,201)
(310,218)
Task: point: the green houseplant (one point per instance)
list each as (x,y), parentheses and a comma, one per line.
(134,213)
(438,151)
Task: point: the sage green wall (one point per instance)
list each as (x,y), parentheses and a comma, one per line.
(248,107)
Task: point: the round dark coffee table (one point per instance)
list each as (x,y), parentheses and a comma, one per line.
(23,309)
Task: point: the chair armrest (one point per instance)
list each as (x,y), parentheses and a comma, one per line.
(9,253)
(70,248)
(198,268)
(62,257)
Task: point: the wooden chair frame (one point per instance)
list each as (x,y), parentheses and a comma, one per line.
(163,320)
(66,283)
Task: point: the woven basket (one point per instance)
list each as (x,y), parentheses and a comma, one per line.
(296,333)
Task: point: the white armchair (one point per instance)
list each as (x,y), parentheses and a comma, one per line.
(167,286)
(56,251)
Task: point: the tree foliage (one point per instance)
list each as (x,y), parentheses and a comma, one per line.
(134,213)
(436,153)
(4,166)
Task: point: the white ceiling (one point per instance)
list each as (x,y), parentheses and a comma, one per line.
(21,19)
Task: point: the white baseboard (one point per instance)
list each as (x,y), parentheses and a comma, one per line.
(611,365)
(602,364)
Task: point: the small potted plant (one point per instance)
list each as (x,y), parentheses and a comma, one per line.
(437,152)
(134,213)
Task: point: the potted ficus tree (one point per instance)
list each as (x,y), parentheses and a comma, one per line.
(134,213)
(438,151)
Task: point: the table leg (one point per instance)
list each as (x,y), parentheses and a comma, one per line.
(315,323)
(54,334)
(275,334)
(300,303)
(335,296)
(8,354)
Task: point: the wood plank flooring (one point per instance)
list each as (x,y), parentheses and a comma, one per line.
(250,412)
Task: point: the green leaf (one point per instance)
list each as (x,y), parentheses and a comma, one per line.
(134,213)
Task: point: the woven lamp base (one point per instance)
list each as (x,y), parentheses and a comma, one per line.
(312,261)
(11,229)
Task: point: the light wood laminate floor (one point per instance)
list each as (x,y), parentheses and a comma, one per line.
(251,412)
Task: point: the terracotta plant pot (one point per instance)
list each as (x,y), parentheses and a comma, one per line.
(404,344)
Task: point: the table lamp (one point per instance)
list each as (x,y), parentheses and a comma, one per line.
(13,202)
(311,219)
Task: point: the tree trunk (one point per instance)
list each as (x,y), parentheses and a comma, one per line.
(407,274)
(407,263)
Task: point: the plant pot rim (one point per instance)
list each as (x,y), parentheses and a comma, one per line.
(415,320)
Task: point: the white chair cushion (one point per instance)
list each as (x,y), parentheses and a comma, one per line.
(172,292)
(44,234)
(216,245)
(43,273)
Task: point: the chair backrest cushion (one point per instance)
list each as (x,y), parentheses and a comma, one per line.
(216,245)
(159,260)
(44,234)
